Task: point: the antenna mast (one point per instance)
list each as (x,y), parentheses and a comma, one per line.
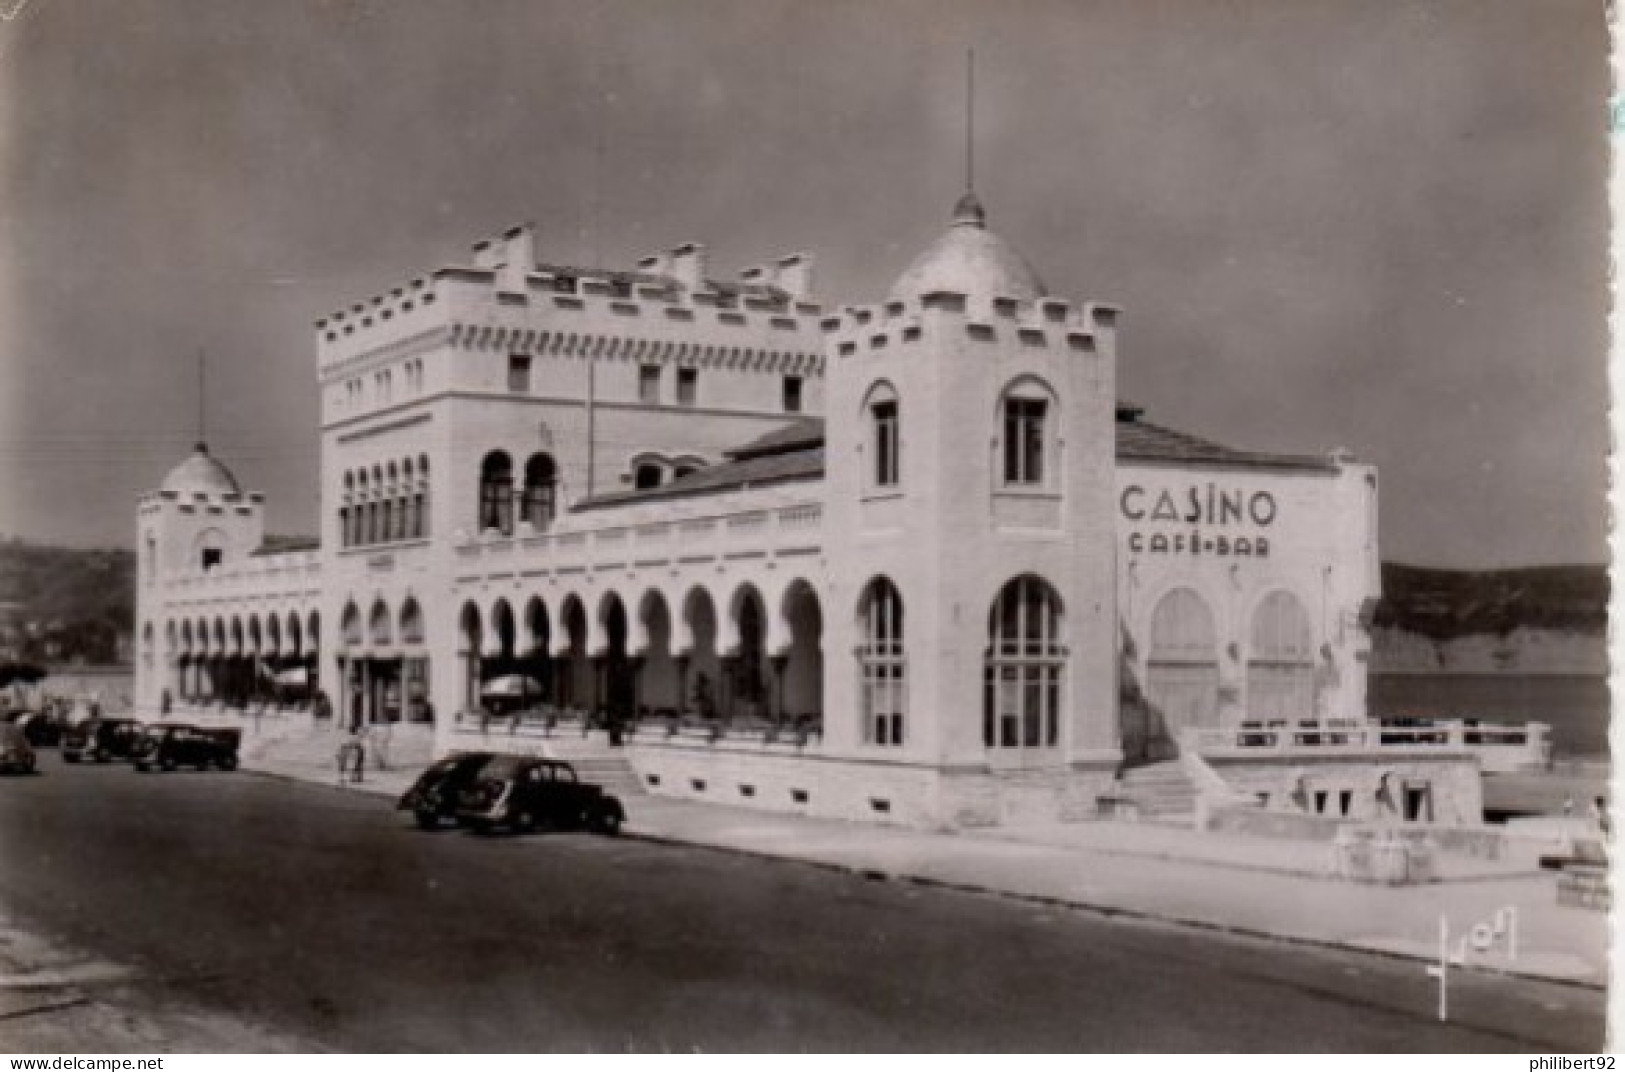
(970,119)
(201,398)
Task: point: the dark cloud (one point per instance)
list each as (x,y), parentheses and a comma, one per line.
(1376,226)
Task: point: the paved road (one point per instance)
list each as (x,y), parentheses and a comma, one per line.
(325,914)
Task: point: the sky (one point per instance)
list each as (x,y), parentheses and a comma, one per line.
(1330,223)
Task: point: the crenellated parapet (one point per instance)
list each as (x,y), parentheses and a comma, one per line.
(220,504)
(766,318)
(1047,323)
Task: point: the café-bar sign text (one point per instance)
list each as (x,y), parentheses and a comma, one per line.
(1198,519)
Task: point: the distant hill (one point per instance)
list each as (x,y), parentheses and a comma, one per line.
(1445,604)
(85,600)
(65,604)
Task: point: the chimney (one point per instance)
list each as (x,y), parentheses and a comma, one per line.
(688,265)
(512,255)
(795,275)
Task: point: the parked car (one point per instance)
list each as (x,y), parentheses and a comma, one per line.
(42,728)
(101,739)
(434,797)
(16,754)
(521,793)
(172,744)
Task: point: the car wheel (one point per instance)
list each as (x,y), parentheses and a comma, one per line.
(102,755)
(70,758)
(523,822)
(427,820)
(167,764)
(143,767)
(228,762)
(607,821)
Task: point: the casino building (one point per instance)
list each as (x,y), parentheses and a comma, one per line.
(908,562)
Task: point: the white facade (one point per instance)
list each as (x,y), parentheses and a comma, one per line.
(958,597)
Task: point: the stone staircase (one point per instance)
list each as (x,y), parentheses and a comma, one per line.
(1160,792)
(595,760)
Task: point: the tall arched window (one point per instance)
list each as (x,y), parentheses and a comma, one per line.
(347,512)
(1281,661)
(541,491)
(358,513)
(1028,435)
(885,437)
(1025,660)
(409,501)
(881,663)
(496,493)
(423,496)
(1182,668)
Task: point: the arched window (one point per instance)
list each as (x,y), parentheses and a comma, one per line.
(885,437)
(1182,668)
(1028,435)
(496,493)
(211,549)
(1281,661)
(541,491)
(359,514)
(1021,702)
(882,679)
(423,495)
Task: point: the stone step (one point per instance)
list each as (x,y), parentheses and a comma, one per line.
(1157,791)
(614,773)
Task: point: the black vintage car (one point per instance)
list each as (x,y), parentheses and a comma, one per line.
(101,739)
(434,797)
(520,794)
(42,728)
(172,745)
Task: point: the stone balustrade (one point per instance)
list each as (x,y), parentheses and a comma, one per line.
(770,530)
(1500,747)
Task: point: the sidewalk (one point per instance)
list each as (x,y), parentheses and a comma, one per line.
(1233,883)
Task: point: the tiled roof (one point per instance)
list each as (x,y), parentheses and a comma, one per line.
(798,434)
(796,452)
(806,463)
(281,545)
(1140,441)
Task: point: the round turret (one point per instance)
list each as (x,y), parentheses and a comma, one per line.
(201,473)
(969,259)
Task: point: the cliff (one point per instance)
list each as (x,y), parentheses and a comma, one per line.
(1547,619)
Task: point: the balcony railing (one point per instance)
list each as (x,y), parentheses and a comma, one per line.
(759,529)
(1499,746)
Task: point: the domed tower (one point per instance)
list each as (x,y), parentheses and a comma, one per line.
(198,523)
(970,461)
